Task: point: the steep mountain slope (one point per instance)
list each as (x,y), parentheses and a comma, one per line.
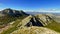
(9,15)
(41,20)
(55,25)
(18,22)
(55,17)
(27,24)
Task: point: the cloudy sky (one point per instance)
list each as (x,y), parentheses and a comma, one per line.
(32,5)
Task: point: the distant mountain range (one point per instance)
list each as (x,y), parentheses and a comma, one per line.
(33,13)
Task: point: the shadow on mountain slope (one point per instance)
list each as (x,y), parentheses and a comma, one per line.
(34,22)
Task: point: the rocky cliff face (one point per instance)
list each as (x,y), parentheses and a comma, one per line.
(34,22)
(45,19)
(37,20)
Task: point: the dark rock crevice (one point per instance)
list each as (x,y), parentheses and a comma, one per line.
(34,22)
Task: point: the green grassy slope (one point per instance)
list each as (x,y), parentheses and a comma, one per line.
(54,26)
(34,30)
(14,26)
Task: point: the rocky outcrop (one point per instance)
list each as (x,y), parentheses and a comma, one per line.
(38,20)
(34,22)
(45,19)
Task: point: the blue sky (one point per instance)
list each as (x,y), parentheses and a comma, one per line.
(33,5)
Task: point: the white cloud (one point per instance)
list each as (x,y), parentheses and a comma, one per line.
(44,10)
(49,10)
(28,10)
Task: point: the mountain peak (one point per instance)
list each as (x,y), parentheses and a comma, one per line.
(8,8)
(12,12)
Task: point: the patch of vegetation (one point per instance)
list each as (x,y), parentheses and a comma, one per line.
(54,26)
(14,26)
(9,30)
(7,19)
(33,30)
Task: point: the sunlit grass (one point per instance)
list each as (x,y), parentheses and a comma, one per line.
(14,26)
(54,26)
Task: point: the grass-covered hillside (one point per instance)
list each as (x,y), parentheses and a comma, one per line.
(10,15)
(34,30)
(54,26)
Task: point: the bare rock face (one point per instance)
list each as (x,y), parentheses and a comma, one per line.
(38,20)
(34,22)
(45,19)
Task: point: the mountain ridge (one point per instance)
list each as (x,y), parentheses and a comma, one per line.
(15,20)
